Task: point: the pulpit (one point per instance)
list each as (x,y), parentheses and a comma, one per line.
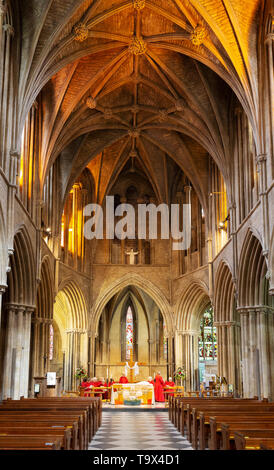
(43,389)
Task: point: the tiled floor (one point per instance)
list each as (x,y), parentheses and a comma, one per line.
(137,430)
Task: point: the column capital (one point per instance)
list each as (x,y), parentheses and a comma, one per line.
(3,288)
(3,9)
(9,29)
(15,154)
(261,158)
(269,38)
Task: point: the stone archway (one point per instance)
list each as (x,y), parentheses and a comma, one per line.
(70,320)
(188,311)
(135,281)
(256,309)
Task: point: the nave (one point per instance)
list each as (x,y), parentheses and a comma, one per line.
(137,429)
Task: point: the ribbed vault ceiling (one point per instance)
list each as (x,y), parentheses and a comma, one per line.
(140,79)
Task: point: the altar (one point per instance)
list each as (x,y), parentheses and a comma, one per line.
(141,393)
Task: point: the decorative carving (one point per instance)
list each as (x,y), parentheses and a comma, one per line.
(108,114)
(80,32)
(135,108)
(136,79)
(162,115)
(3,9)
(91,102)
(138,46)
(198,35)
(8,29)
(180,105)
(139,4)
(135,133)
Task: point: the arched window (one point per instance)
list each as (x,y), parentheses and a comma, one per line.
(207,339)
(129,333)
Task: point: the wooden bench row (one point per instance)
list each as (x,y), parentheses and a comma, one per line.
(224,423)
(54,423)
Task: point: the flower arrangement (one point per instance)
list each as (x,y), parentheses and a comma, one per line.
(180,374)
(81,373)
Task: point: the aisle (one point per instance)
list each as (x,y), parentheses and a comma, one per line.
(137,430)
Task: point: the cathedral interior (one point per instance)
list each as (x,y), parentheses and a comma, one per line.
(148,101)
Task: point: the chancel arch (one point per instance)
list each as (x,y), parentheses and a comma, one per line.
(131,328)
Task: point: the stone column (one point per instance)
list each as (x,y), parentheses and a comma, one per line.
(24,386)
(231,348)
(269,45)
(2,291)
(35,351)
(18,351)
(244,315)
(262,170)
(264,315)
(188,190)
(252,359)
(9,340)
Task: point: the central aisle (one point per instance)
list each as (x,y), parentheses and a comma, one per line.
(137,430)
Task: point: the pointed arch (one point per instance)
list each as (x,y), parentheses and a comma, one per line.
(191,305)
(252,272)
(135,280)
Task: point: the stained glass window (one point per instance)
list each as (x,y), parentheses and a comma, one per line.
(51,335)
(129,333)
(208,338)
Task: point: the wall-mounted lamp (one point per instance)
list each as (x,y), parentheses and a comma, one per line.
(222,225)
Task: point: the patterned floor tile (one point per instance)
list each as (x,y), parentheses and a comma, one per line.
(129,430)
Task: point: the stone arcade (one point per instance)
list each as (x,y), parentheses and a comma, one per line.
(148,101)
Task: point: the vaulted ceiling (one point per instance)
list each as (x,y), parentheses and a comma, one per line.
(151,80)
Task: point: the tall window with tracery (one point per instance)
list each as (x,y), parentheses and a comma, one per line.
(207,339)
(129,333)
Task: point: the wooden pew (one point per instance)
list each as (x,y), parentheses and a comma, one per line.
(29,443)
(227,440)
(77,412)
(57,418)
(92,406)
(64,434)
(244,442)
(203,427)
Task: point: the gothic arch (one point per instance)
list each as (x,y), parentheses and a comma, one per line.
(45,294)
(134,280)
(3,249)
(224,298)
(190,306)
(252,272)
(72,297)
(21,278)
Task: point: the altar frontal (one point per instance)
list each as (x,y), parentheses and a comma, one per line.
(134,394)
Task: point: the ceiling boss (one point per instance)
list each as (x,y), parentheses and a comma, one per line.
(139,4)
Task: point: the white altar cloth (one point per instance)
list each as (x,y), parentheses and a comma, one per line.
(132,391)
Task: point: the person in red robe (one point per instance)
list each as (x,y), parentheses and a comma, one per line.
(170,383)
(150,380)
(158,388)
(123,379)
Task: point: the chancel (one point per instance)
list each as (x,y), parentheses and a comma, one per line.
(155,104)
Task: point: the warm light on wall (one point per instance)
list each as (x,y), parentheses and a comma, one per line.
(63,230)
